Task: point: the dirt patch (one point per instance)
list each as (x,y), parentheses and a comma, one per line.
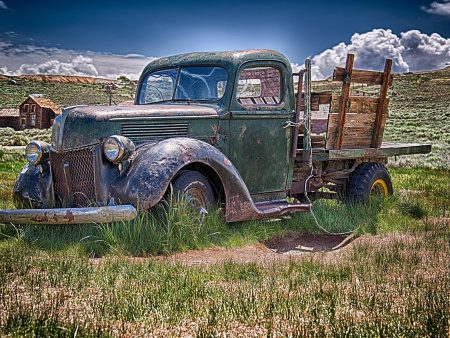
(292,246)
(288,247)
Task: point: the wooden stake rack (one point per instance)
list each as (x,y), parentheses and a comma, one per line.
(354,121)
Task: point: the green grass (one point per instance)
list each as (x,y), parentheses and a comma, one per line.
(396,287)
(11,137)
(422,195)
(63,94)
(102,280)
(53,283)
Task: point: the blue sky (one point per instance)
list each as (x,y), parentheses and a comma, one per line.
(297,28)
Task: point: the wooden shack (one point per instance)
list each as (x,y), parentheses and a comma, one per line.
(38,112)
(10,118)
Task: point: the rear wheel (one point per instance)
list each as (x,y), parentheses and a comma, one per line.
(196,189)
(369,179)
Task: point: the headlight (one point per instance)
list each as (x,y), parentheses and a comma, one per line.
(118,148)
(36,152)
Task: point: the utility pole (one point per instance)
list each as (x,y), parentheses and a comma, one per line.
(109,91)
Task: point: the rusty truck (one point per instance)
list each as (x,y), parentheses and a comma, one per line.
(223,129)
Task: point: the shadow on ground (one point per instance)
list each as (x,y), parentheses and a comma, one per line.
(302,242)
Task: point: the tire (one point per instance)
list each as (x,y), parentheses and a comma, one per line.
(368,179)
(196,189)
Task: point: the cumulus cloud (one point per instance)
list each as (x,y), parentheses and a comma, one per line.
(438,8)
(79,65)
(27,58)
(3,5)
(411,51)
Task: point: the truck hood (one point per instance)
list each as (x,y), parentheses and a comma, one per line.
(81,126)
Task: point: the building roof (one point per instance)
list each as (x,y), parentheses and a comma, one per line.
(9,112)
(46,103)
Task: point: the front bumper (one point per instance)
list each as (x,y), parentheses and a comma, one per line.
(91,215)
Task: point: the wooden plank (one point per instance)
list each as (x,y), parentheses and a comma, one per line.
(380,121)
(354,141)
(297,127)
(307,157)
(358,104)
(317,99)
(362,76)
(318,126)
(351,119)
(343,102)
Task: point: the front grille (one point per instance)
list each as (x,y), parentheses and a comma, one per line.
(80,181)
(154,131)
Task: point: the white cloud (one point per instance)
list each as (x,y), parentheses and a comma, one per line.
(411,51)
(79,65)
(3,5)
(438,8)
(17,59)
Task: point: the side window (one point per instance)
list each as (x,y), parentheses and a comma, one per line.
(259,87)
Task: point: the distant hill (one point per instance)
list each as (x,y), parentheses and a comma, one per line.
(66,79)
(63,90)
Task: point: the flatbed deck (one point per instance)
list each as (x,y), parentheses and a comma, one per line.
(387,149)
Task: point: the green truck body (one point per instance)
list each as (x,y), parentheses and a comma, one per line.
(227,121)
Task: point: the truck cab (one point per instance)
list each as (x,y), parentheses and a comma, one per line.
(223,128)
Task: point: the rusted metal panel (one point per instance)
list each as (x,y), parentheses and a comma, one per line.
(155,165)
(361,76)
(83,126)
(34,188)
(94,215)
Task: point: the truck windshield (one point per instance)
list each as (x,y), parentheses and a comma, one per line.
(196,83)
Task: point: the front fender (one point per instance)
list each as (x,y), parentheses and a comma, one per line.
(34,188)
(155,165)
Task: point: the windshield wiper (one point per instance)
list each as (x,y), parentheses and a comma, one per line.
(169,100)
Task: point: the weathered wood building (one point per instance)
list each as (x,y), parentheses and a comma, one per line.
(38,112)
(10,118)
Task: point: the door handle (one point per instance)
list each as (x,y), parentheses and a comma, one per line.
(289,124)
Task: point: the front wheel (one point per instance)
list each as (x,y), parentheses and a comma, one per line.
(367,180)
(196,189)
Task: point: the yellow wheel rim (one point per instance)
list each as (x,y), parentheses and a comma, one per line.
(379,187)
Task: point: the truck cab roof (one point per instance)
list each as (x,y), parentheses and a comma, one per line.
(228,59)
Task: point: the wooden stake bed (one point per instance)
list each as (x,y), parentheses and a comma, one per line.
(344,129)
(353,124)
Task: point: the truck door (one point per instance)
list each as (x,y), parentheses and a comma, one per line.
(259,141)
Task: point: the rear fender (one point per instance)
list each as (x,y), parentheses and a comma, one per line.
(155,165)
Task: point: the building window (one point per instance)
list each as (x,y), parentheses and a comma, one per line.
(33,120)
(33,108)
(25,108)
(259,87)
(24,121)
